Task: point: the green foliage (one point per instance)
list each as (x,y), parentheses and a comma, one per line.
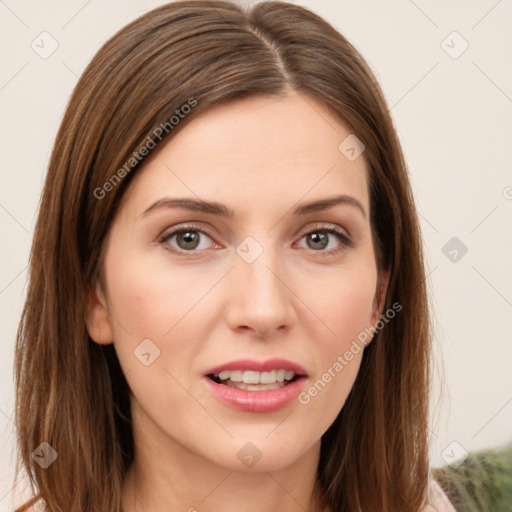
(483,483)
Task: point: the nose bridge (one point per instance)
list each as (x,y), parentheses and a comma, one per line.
(259,269)
(260,299)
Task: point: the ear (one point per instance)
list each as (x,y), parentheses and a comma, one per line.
(98,321)
(379,300)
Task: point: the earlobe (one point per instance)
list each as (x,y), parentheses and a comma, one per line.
(98,322)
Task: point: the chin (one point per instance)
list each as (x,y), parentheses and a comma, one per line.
(259,454)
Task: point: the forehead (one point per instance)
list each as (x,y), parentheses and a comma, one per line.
(255,152)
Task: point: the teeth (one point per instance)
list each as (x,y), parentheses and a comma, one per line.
(268,377)
(235,376)
(253,387)
(255,378)
(251,377)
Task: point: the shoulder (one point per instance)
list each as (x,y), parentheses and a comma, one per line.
(437,499)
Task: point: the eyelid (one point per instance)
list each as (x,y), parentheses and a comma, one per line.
(325,226)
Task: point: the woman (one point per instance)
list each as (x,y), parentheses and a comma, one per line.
(226,306)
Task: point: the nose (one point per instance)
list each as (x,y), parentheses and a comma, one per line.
(260,298)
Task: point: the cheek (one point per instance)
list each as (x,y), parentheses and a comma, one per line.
(345,306)
(147,300)
(351,309)
(345,303)
(160,304)
(167,304)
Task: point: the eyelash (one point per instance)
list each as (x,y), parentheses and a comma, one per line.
(346,242)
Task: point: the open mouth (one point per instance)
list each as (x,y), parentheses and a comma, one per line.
(253,380)
(256,386)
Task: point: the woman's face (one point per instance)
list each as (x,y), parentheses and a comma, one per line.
(192,291)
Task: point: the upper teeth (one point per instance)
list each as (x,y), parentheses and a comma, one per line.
(252,377)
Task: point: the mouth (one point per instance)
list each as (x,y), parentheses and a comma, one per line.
(268,389)
(256,386)
(250,380)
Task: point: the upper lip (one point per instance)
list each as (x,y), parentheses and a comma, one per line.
(259,366)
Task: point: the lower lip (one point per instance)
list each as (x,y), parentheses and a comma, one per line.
(256,401)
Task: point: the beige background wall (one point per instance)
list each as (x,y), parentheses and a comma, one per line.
(453,110)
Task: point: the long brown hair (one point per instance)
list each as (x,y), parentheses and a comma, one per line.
(71,392)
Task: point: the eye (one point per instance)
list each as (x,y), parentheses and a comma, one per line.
(321,237)
(186,239)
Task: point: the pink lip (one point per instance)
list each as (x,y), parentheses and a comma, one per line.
(259,366)
(256,401)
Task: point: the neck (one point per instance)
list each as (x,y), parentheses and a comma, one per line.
(165,476)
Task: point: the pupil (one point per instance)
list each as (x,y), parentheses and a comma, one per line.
(190,239)
(319,238)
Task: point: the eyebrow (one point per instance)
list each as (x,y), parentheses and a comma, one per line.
(214,208)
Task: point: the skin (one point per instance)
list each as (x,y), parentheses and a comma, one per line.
(298,301)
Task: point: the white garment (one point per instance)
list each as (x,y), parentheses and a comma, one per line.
(437,499)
